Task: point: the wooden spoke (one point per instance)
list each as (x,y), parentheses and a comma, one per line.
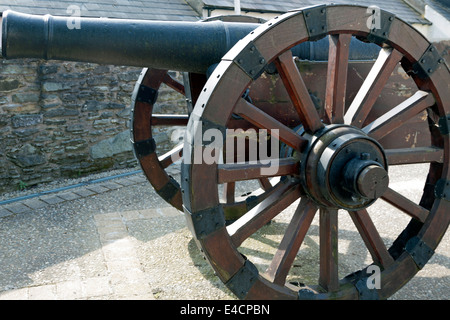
(328,278)
(174,84)
(396,117)
(265,183)
(298,92)
(262,120)
(246,171)
(292,240)
(404,204)
(169,119)
(170,157)
(337,77)
(370,90)
(371,237)
(229,192)
(414,155)
(262,213)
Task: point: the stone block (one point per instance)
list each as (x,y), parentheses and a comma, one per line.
(27,120)
(14,108)
(61,112)
(35,203)
(112,146)
(9,85)
(25,97)
(53,86)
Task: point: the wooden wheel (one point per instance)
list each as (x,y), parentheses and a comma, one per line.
(340,164)
(152,164)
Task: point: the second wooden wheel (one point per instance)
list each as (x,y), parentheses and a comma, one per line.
(144,120)
(340,164)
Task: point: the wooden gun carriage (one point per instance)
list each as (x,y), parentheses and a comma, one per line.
(320,82)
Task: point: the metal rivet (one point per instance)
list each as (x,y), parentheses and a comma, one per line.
(365,156)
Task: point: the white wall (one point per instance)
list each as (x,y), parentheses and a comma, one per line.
(439,30)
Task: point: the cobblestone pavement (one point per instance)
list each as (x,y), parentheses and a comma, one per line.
(118,240)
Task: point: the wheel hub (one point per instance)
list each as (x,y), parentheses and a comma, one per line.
(344,168)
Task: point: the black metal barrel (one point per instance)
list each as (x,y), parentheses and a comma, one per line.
(181,46)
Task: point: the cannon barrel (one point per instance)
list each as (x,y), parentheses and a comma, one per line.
(181,46)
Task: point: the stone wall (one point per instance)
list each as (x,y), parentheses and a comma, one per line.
(64,120)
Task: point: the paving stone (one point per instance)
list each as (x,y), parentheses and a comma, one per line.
(150,213)
(18,208)
(5,212)
(132,215)
(52,199)
(111,185)
(96,287)
(137,179)
(45,292)
(84,192)
(69,196)
(126,182)
(97,188)
(17,294)
(106,219)
(35,203)
(69,290)
(170,212)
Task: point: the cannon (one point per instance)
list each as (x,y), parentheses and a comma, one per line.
(334,139)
